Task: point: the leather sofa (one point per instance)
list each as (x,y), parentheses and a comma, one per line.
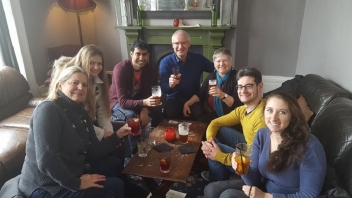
(16,108)
(332,125)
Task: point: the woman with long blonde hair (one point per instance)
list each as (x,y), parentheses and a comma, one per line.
(91,59)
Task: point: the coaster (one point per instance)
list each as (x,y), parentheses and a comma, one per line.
(187,149)
(163,147)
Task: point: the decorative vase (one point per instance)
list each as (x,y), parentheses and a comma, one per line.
(170,134)
(176,22)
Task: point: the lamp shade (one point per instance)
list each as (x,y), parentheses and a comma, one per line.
(77,5)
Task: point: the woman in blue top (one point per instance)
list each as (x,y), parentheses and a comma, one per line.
(286,159)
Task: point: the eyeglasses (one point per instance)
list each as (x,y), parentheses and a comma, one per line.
(180,43)
(246,87)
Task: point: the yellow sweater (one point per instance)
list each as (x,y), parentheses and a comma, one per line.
(251,123)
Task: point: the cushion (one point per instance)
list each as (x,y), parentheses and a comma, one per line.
(19,120)
(307,112)
(12,151)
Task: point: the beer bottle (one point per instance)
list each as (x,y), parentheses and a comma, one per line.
(214,19)
(139,15)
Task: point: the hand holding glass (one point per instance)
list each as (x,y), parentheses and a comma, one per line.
(135,125)
(176,71)
(243,158)
(156,91)
(212,83)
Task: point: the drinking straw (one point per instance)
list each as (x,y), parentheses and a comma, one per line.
(241,158)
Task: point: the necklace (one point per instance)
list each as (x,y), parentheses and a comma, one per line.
(247,113)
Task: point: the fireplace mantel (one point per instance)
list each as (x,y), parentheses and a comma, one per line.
(209,37)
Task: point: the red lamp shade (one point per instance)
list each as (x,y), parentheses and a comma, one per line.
(77,5)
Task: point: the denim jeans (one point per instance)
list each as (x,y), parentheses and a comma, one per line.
(174,109)
(109,165)
(113,188)
(118,113)
(222,189)
(226,138)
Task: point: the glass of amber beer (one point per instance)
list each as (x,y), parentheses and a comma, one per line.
(183,130)
(212,83)
(243,158)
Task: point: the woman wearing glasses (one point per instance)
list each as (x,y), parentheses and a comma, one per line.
(222,98)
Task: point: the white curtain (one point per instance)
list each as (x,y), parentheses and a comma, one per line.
(7,53)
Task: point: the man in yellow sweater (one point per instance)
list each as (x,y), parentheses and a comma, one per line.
(221,138)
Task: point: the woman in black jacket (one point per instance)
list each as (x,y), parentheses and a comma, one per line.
(60,138)
(222,98)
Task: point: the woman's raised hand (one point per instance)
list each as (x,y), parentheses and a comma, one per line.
(123,131)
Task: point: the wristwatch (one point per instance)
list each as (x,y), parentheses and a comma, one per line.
(225,96)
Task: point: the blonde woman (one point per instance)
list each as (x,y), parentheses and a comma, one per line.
(60,139)
(90,58)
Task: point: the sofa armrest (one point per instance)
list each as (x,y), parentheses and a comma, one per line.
(35,102)
(333,128)
(319,92)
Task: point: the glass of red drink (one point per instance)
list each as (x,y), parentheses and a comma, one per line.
(135,125)
(165,164)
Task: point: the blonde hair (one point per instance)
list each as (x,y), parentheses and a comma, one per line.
(62,76)
(82,59)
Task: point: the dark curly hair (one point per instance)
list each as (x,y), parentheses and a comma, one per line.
(294,137)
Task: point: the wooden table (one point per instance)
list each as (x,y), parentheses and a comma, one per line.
(148,167)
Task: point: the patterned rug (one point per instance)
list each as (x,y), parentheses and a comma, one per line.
(193,188)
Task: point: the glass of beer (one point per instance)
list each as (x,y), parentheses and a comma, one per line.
(156,91)
(176,71)
(183,130)
(165,163)
(243,158)
(151,141)
(212,83)
(135,125)
(142,145)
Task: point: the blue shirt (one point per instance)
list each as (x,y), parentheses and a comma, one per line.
(299,179)
(191,71)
